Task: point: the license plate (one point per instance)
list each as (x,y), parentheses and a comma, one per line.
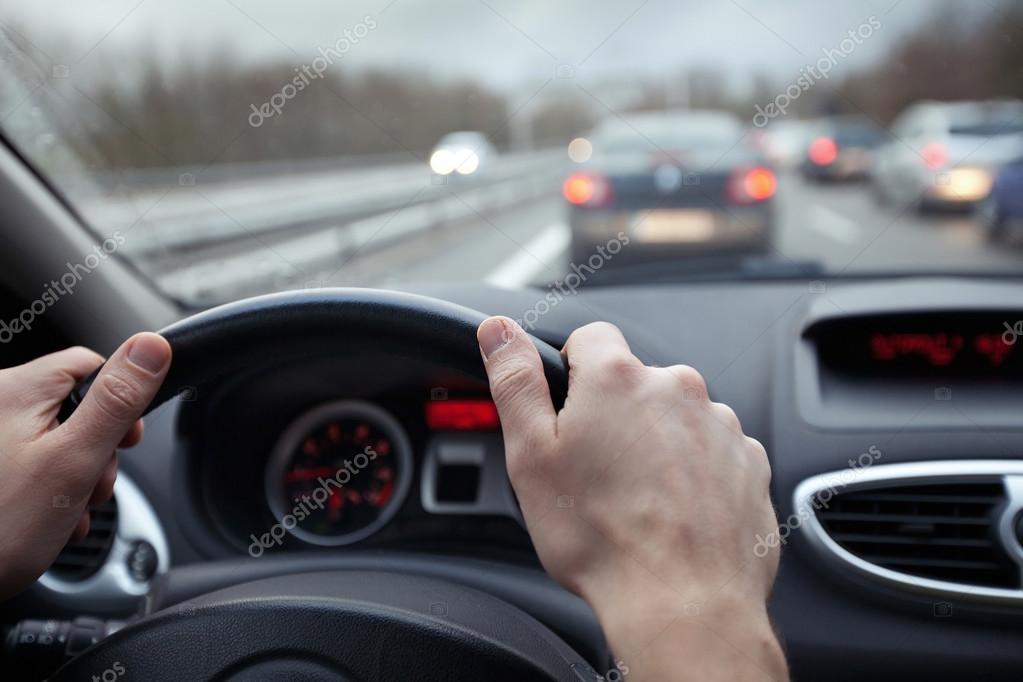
(674,225)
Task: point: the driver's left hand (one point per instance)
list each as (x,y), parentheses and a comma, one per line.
(50,473)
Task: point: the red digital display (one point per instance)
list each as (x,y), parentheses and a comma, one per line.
(939,349)
(462,415)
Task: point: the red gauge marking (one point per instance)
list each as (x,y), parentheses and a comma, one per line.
(384,495)
(334,433)
(296,475)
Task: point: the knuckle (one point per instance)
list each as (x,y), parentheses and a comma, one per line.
(618,365)
(603,327)
(726,415)
(116,396)
(691,381)
(511,380)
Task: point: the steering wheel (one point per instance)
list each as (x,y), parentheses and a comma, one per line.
(340,624)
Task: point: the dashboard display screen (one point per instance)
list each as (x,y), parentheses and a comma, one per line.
(966,345)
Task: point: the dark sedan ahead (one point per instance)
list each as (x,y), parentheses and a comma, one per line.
(674,183)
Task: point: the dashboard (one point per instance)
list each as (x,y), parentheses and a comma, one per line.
(385,452)
(890,411)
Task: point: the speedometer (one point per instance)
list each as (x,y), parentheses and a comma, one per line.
(339,473)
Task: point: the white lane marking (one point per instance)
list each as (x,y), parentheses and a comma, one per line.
(538,254)
(834,225)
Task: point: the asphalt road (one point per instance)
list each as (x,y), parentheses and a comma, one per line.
(839,226)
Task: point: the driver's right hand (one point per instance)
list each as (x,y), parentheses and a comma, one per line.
(645,498)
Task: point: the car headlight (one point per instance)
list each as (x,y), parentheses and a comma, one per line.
(468,163)
(442,162)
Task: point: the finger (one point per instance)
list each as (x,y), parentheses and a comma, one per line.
(596,347)
(105,486)
(134,435)
(517,381)
(118,396)
(44,382)
(81,529)
(75,363)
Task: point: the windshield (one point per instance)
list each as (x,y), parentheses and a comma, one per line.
(246,147)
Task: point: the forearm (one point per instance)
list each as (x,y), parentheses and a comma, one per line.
(667,638)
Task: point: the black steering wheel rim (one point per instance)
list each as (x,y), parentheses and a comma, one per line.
(338,625)
(492,635)
(225,340)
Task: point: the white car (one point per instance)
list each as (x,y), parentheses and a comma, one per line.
(461,153)
(944,155)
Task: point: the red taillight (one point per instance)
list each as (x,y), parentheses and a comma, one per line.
(748,186)
(823,151)
(586,189)
(462,415)
(934,155)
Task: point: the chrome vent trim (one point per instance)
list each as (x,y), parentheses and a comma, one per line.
(80,560)
(1007,472)
(112,583)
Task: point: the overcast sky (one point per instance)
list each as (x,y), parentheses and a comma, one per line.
(507,43)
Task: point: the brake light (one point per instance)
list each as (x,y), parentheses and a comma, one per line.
(462,415)
(752,185)
(587,189)
(934,155)
(823,151)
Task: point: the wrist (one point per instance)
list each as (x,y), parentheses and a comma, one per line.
(659,633)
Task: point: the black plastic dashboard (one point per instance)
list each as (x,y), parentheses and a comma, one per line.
(203,464)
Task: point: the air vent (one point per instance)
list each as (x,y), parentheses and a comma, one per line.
(943,531)
(81,560)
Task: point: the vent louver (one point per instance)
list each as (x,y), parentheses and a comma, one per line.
(80,560)
(941,531)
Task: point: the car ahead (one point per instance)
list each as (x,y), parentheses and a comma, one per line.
(463,153)
(1001,213)
(842,149)
(944,155)
(785,142)
(674,183)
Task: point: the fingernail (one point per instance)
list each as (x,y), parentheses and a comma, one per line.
(150,352)
(494,333)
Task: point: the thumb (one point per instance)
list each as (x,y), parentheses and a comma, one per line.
(121,392)
(517,382)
